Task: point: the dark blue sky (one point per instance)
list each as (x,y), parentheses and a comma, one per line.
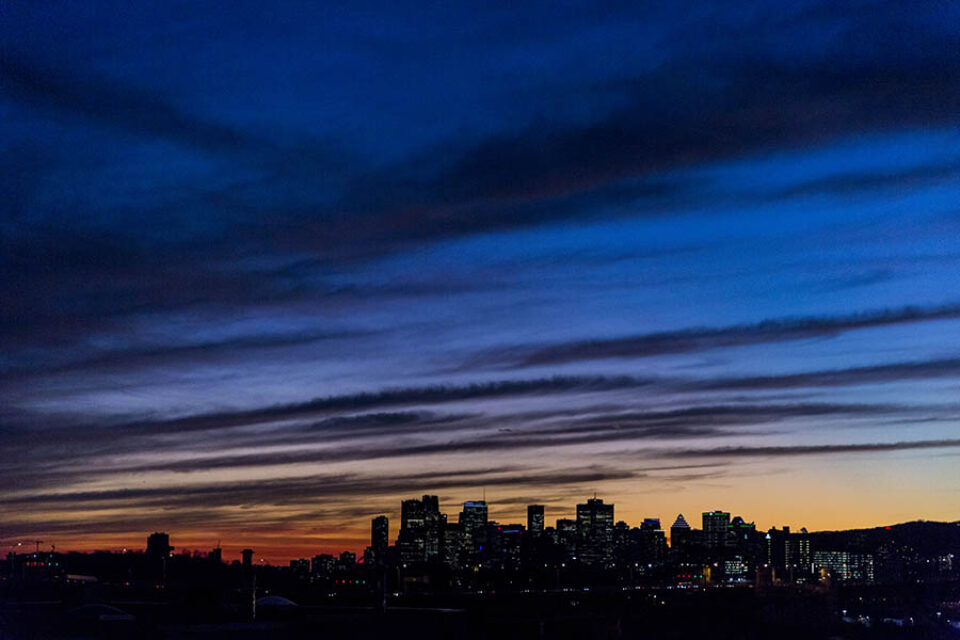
(284,263)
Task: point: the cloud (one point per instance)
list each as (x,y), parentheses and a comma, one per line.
(135,357)
(876,374)
(706,338)
(813,450)
(304,491)
(116,104)
(395,436)
(403,396)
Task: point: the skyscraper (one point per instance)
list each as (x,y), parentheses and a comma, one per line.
(421,526)
(716,524)
(379,538)
(651,542)
(595,532)
(567,537)
(679,532)
(535,519)
(411,515)
(412,537)
(158,550)
(158,545)
(473,518)
(433,522)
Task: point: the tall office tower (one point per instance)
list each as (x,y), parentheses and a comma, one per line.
(421,526)
(158,545)
(509,553)
(567,537)
(431,504)
(623,551)
(412,539)
(379,538)
(595,532)
(323,564)
(651,543)
(433,522)
(777,552)
(804,559)
(716,525)
(411,515)
(788,554)
(453,544)
(535,519)
(472,519)
(679,533)
(247,555)
(158,550)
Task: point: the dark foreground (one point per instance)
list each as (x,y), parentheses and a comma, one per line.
(719,613)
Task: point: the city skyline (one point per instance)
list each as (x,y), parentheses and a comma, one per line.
(383,530)
(266,271)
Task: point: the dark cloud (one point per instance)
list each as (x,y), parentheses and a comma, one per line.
(405,396)
(309,489)
(813,450)
(116,104)
(877,374)
(178,353)
(681,114)
(398,435)
(707,338)
(860,182)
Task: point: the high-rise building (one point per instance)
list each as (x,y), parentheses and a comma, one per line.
(679,532)
(473,519)
(158,545)
(595,532)
(453,545)
(247,555)
(510,548)
(411,515)
(411,542)
(379,537)
(421,524)
(788,554)
(651,543)
(535,520)
(158,550)
(433,522)
(716,525)
(323,565)
(567,537)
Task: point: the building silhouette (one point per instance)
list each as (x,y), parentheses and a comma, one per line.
(379,539)
(716,525)
(595,533)
(679,533)
(158,545)
(421,526)
(473,519)
(535,519)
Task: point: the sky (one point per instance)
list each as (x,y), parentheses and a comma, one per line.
(266,269)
